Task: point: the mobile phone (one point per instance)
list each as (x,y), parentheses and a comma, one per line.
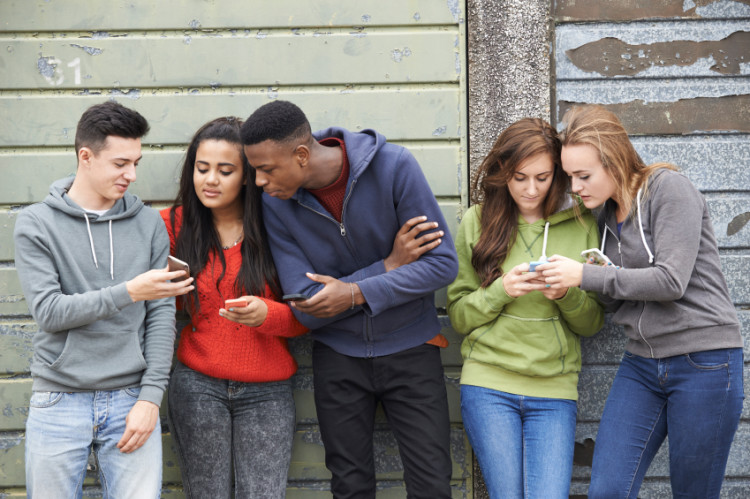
(533,265)
(177,264)
(295,297)
(235,302)
(594,256)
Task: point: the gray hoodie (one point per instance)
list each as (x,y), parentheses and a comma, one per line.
(670,293)
(73,267)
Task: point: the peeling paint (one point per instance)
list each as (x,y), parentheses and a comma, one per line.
(417,17)
(195,24)
(614,57)
(729,113)
(738,223)
(366,18)
(261,35)
(579,10)
(187,39)
(439,131)
(398,55)
(455,8)
(46,66)
(88,50)
(133,93)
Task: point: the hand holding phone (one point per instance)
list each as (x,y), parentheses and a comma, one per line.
(533,265)
(594,256)
(177,264)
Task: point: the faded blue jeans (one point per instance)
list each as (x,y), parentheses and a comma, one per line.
(221,425)
(696,399)
(62,429)
(524,444)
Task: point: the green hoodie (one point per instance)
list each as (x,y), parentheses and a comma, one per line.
(527,345)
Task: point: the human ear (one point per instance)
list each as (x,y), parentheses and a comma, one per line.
(302,154)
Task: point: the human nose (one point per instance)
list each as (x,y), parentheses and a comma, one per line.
(212,177)
(260,178)
(575,185)
(130,173)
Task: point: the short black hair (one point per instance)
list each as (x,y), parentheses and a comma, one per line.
(280,121)
(108,118)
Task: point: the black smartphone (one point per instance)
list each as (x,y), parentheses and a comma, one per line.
(294,297)
(177,264)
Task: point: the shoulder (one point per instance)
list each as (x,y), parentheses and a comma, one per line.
(665,185)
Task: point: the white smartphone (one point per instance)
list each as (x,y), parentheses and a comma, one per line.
(177,264)
(595,256)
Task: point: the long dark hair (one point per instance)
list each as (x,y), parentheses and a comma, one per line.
(522,140)
(198,237)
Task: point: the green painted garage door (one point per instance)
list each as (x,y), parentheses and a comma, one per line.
(394,65)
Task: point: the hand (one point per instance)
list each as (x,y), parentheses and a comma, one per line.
(408,247)
(155,284)
(518,281)
(561,272)
(139,424)
(253,315)
(334,298)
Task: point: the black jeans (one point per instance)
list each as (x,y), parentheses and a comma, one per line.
(411,388)
(220,425)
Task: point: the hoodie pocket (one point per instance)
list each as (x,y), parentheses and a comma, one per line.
(91,356)
(528,346)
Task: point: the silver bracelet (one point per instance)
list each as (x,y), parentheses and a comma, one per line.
(351,288)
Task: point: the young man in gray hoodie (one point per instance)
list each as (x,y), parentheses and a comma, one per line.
(92,261)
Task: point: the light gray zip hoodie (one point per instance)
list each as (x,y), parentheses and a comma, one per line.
(73,267)
(670,293)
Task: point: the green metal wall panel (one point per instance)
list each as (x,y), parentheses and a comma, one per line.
(397,66)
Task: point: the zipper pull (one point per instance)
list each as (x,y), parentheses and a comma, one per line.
(343,229)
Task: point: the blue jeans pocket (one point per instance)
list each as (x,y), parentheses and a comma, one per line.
(133,392)
(709,359)
(40,400)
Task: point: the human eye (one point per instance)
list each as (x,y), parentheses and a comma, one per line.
(201,170)
(226,173)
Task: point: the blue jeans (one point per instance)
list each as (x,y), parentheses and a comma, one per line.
(696,399)
(221,426)
(63,428)
(524,444)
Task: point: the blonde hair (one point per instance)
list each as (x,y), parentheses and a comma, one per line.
(598,127)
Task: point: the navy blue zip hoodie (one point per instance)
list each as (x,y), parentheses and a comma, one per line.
(386,187)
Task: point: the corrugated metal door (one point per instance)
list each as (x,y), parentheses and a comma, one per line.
(677,73)
(393,65)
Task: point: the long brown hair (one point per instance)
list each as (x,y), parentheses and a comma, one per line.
(598,127)
(522,140)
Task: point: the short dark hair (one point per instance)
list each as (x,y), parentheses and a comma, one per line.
(108,118)
(280,121)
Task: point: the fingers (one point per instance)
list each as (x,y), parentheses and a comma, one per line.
(324,279)
(410,224)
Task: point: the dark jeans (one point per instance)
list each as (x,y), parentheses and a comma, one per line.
(696,399)
(221,425)
(411,388)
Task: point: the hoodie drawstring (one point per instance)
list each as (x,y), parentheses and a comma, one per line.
(640,227)
(111,248)
(544,243)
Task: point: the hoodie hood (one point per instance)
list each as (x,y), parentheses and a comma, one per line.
(127,206)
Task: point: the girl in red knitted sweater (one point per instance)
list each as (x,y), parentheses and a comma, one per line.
(230,395)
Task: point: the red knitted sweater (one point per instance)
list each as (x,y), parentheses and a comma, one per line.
(218,347)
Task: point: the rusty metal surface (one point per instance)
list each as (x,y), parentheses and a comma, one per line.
(627,10)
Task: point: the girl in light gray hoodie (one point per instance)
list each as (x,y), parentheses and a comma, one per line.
(681,374)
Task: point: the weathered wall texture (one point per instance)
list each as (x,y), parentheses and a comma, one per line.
(509,46)
(393,65)
(678,75)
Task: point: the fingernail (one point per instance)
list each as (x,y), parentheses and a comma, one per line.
(546,285)
(441,232)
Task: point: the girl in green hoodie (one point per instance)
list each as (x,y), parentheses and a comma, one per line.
(522,352)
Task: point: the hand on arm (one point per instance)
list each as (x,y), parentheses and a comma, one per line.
(253,315)
(139,424)
(335,297)
(408,245)
(155,284)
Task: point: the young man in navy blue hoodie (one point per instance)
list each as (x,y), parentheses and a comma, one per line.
(353,225)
